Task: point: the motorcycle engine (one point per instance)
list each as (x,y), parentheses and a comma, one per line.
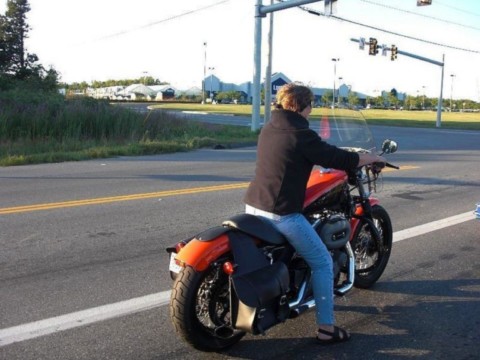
(334,231)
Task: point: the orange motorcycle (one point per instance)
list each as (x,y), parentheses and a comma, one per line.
(244,277)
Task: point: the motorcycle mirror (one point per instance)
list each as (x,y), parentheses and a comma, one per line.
(389,146)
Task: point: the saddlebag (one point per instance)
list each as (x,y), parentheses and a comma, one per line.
(258,288)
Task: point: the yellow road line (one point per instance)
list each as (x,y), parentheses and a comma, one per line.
(111,199)
(404,167)
(105,200)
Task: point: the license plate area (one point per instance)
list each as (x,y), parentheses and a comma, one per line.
(174,267)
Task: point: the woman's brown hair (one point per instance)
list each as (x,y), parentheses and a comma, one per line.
(294,97)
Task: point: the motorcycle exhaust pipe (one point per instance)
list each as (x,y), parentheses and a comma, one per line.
(296,308)
(301,309)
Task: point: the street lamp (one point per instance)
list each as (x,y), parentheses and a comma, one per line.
(204,72)
(451,91)
(339,81)
(145,77)
(211,81)
(423,97)
(335,60)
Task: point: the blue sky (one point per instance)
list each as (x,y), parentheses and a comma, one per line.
(110,39)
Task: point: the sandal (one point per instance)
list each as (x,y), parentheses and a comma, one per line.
(338,335)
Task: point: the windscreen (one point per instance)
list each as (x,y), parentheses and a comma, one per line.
(344,128)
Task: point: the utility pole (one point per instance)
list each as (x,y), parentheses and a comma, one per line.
(261,12)
(268,72)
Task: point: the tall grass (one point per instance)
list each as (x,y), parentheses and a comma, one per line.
(37,128)
(53,118)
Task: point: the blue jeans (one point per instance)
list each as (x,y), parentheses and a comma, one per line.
(298,231)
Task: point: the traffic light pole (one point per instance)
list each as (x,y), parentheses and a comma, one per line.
(438,63)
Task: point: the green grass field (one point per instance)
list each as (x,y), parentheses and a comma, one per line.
(455,120)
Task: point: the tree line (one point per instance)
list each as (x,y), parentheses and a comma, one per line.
(82,86)
(420,102)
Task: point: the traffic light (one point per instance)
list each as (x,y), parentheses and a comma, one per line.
(424,2)
(394,52)
(373,46)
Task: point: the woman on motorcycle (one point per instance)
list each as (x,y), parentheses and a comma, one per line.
(287,151)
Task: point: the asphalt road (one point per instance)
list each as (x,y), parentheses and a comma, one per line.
(86,235)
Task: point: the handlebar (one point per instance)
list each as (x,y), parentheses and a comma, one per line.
(378,166)
(392,166)
(381,165)
(373,171)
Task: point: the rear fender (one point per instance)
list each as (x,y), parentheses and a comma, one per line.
(200,254)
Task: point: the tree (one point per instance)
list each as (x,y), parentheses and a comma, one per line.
(14,32)
(378,101)
(15,62)
(409,102)
(148,80)
(353,98)
(4,57)
(327,97)
(228,96)
(393,100)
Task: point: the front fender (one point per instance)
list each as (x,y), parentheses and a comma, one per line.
(200,254)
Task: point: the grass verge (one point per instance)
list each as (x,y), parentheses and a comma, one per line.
(454,120)
(45,132)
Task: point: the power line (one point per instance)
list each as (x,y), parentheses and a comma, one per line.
(458,9)
(422,15)
(315,12)
(406,36)
(163,20)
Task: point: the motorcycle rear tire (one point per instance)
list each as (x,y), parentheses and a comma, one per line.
(366,279)
(183,311)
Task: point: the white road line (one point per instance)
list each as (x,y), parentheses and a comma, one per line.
(80,318)
(432,226)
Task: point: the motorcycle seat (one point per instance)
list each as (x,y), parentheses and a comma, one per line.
(256,227)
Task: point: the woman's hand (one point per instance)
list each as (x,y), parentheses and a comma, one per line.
(370,158)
